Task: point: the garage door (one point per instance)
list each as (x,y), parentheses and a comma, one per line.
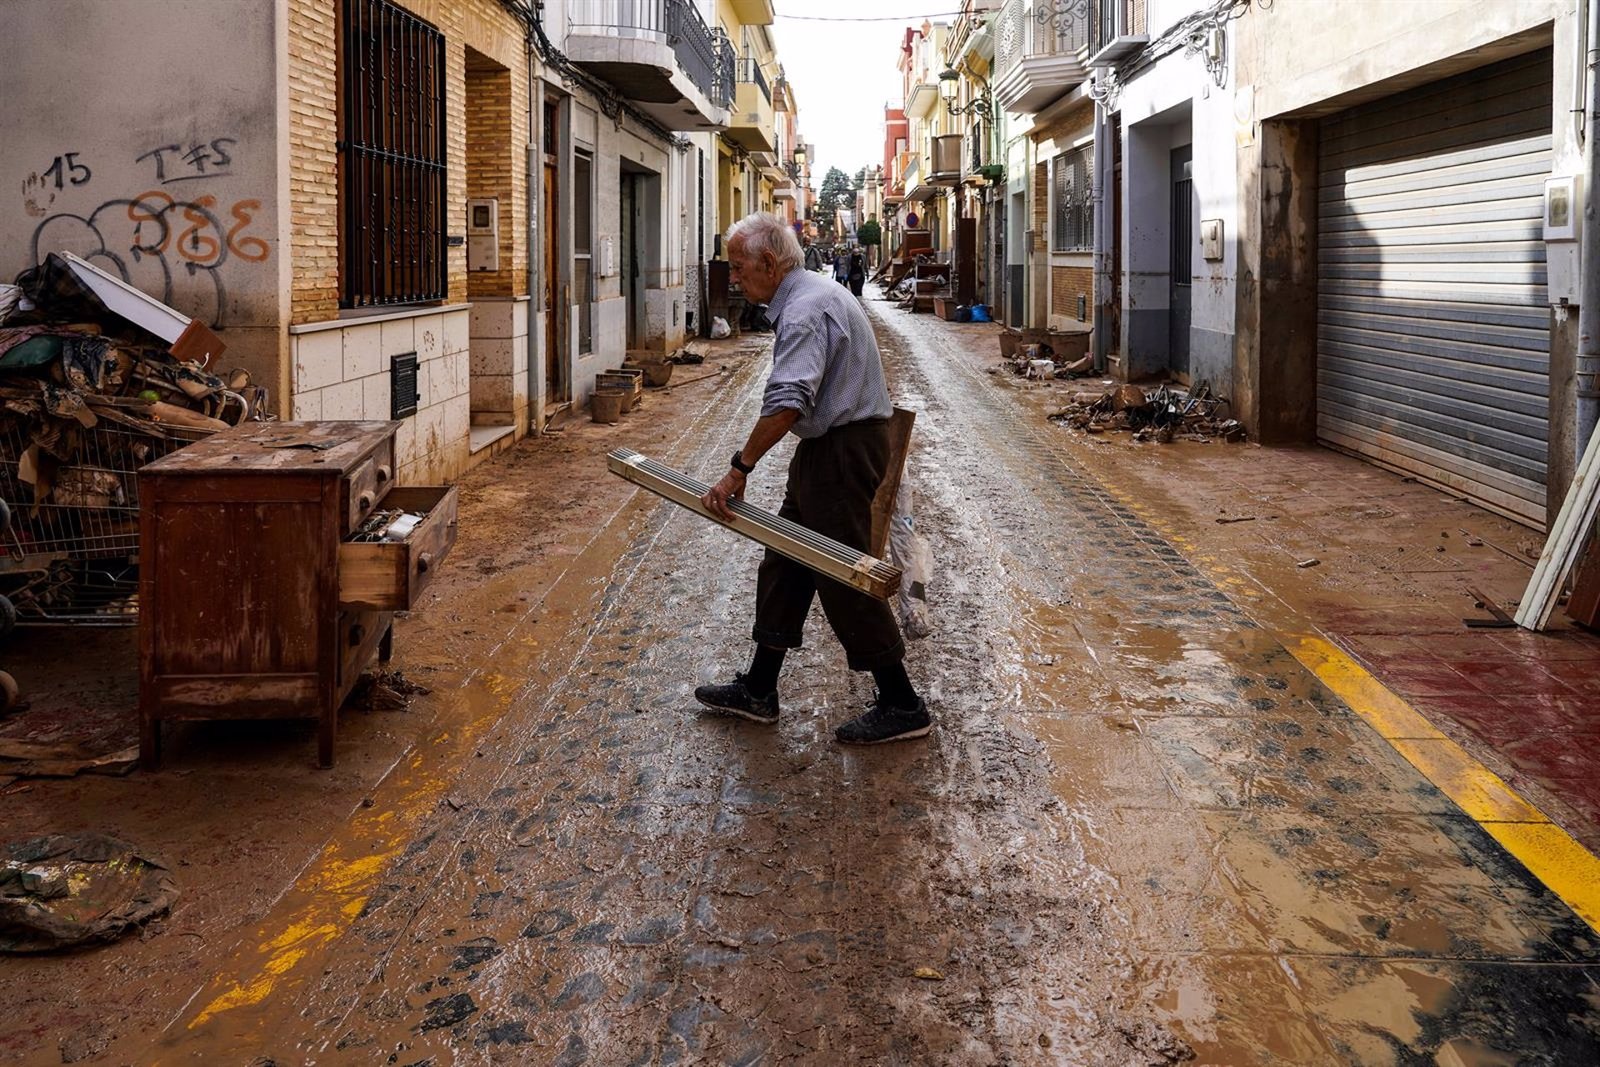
(1432,326)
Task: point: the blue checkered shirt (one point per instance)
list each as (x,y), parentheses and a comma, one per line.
(825,361)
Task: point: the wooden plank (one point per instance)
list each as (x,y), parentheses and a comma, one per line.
(807,547)
(238,696)
(900,424)
(1560,552)
(1584,604)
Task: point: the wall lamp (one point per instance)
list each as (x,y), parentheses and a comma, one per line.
(797,162)
(950,88)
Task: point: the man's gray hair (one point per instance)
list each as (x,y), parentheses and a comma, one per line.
(762,231)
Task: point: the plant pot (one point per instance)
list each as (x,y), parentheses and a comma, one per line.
(631,386)
(606,405)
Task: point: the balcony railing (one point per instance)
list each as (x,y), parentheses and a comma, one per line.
(705,57)
(1021,35)
(750,71)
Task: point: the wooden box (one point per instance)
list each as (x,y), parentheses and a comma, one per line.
(258,597)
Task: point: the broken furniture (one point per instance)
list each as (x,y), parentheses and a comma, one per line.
(273,559)
(96,380)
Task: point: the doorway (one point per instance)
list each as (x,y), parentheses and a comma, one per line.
(1182,276)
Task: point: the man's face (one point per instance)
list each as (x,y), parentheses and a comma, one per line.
(758,276)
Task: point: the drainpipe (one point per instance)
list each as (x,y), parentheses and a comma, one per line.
(535,277)
(1103,237)
(1589,255)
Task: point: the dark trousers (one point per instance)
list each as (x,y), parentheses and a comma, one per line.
(832,480)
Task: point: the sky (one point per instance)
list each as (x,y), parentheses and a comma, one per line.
(844,72)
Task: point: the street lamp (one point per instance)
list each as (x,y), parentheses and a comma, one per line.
(949,89)
(797,161)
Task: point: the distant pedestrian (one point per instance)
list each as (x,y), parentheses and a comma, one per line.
(857,272)
(827,388)
(841,268)
(813,258)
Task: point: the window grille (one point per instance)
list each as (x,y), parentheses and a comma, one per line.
(1072,224)
(391,157)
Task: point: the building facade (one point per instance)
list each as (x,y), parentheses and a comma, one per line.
(453,213)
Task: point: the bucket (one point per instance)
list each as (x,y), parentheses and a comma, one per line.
(606,405)
(658,374)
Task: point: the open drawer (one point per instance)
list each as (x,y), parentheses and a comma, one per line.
(391,575)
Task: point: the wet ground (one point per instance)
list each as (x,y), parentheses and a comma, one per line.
(1142,832)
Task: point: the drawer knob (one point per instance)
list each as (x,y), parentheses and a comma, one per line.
(424,561)
(383,473)
(364,501)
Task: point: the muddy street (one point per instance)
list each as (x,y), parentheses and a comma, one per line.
(1142,831)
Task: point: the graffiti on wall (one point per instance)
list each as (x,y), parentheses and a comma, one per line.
(154,239)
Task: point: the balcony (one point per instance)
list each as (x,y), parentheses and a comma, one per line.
(922,96)
(753,12)
(753,124)
(946,169)
(659,54)
(1036,63)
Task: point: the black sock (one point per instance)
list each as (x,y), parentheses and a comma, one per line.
(762,677)
(894,686)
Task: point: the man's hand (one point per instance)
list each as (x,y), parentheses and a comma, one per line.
(730,488)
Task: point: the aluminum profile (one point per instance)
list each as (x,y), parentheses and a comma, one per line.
(822,554)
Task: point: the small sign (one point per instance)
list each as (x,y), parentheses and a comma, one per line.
(455,240)
(912,220)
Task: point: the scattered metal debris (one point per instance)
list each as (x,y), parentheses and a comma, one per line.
(1163,415)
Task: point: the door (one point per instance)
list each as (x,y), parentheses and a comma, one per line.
(1016,262)
(966,260)
(630,256)
(1182,270)
(1433,331)
(553,305)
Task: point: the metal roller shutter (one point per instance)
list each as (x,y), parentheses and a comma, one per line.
(1432,323)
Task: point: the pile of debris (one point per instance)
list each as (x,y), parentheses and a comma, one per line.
(1164,415)
(78,344)
(1040,361)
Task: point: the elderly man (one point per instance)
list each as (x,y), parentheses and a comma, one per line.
(826,388)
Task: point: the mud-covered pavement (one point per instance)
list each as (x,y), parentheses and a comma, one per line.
(1142,832)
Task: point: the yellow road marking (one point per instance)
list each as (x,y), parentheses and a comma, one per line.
(1550,854)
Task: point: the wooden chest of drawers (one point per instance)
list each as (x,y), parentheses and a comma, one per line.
(263,589)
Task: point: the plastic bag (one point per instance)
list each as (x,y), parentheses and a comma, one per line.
(719,328)
(909,552)
(980,313)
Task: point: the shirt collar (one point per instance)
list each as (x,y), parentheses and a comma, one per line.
(786,290)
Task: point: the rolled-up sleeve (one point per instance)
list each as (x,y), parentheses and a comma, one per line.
(799,356)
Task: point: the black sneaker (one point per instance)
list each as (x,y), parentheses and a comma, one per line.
(882,723)
(735,699)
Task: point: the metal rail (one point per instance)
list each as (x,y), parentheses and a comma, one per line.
(806,547)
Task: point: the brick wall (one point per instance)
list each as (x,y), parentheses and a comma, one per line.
(313,128)
(1065,285)
(1041,206)
(313,160)
(489,162)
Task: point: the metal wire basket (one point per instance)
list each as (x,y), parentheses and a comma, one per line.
(71,537)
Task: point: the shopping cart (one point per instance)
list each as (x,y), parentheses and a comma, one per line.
(69,512)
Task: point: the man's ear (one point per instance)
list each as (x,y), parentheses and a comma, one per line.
(769,260)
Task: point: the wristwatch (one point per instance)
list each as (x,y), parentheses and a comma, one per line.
(738,463)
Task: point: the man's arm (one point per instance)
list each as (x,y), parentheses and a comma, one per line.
(768,431)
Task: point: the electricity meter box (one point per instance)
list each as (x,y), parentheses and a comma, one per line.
(483,234)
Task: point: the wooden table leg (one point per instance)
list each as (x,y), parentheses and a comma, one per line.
(149,742)
(325,731)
